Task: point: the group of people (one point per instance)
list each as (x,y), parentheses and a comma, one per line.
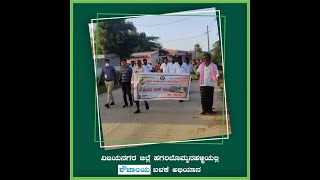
(175,65)
(207,73)
(191,67)
(125,80)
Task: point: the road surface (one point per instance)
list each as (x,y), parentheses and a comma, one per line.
(166,120)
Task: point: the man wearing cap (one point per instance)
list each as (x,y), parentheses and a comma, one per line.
(109,74)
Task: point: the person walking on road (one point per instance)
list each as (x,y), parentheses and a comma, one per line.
(209,74)
(138,69)
(125,82)
(147,67)
(180,68)
(163,66)
(109,74)
(169,67)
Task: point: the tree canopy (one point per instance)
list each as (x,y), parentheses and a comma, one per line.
(216,55)
(121,37)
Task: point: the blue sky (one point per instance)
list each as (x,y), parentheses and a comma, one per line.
(180,32)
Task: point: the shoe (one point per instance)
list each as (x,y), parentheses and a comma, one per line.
(147,106)
(131,103)
(137,111)
(203,113)
(125,105)
(181,101)
(107,105)
(112,103)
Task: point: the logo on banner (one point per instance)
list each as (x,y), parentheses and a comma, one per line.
(134,169)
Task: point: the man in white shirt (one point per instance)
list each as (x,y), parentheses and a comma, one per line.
(138,69)
(163,66)
(180,67)
(189,66)
(147,67)
(169,68)
(209,74)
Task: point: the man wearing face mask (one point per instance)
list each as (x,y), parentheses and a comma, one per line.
(109,74)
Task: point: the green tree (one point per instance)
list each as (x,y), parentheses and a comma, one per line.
(121,37)
(163,52)
(101,33)
(147,43)
(216,55)
(198,50)
(117,36)
(201,55)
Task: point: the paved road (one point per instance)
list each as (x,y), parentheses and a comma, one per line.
(166,120)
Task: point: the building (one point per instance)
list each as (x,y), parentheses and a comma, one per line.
(151,56)
(113,58)
(183,54)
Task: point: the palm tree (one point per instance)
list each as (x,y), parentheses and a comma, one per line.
(216,53)
(197,49)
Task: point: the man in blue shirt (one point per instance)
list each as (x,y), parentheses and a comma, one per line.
(109,74)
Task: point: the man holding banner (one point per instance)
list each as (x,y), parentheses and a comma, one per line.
(161,86)
(147,67)
(169,67)
(138,69)
(163,66)
(180,68)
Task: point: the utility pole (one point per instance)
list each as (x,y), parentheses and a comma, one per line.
(208,39)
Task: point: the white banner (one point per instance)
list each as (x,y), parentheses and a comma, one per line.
(161,86)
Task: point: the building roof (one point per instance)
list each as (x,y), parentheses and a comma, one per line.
(112,55)
(143,54)
(177,52)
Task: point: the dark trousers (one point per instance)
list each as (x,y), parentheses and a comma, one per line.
(138,104)
(206,98)
(126,91)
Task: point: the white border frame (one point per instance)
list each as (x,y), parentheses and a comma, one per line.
(225,95)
